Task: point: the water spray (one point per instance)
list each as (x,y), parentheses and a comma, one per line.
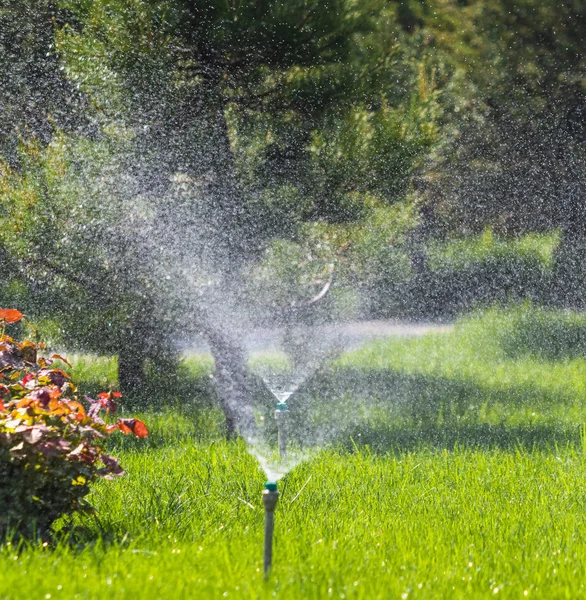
(282,419)
(270,497)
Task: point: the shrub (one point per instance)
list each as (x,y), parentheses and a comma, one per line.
(527,330)
(52,445)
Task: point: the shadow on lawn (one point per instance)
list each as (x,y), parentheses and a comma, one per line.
(393,411)
(385,409)
(428,393)
(481,436)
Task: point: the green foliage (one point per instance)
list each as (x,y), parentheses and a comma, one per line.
(462,273)
(535,250)
(316,120)
(60,228)
(34,94)
(535,333)
(292,273)
(321,121)
(304,112)
(514,155)
(52,448)
(371,153)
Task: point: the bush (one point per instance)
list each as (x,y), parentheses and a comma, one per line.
(52,447)
(464,274)
(531,331)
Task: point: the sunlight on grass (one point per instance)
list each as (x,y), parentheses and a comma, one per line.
(186,521)
(457,471)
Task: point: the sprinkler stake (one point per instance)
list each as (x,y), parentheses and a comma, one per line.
(282,418)
(270,497)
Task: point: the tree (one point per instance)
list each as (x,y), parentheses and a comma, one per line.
(35,97)
(34,94)
(517,156)
(224,127)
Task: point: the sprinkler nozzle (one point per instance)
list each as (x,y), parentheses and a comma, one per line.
(270,497)
(282,407)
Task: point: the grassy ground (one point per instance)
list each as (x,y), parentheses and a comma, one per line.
(463,477)
(502,378)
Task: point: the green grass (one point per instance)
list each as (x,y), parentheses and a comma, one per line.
(186,522)
(457,471)
(521,370)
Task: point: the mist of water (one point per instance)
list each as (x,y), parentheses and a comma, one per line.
(157,218)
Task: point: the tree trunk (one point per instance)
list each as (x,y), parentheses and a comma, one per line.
(232,384)
(231,226)
(203,153)
(230,230)
(420,300)
(130,370)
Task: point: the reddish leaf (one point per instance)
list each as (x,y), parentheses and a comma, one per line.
(8,359)
(59,357)
(44,362)
(28,351)
(76,407)
(138,428)
(63,445)
(57,377)
(25,402)
(107,401)
(35,434)
(28,378)
(94,408)
(124,428)
(55,393)
(85,453)
(43,395)
(112,465)
(117,394)
(77,451)
(10,315)
(97,420)
(48,449)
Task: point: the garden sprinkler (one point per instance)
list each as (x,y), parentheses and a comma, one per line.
(282,418)
(270,497)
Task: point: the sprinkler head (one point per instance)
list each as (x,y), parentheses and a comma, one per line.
(270,496)
(282,407)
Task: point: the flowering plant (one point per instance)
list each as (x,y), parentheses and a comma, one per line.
(52,443)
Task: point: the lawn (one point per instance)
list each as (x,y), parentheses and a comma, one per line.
(461,476)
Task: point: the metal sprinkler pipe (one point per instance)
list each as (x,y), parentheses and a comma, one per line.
(270,497)
(282,419)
